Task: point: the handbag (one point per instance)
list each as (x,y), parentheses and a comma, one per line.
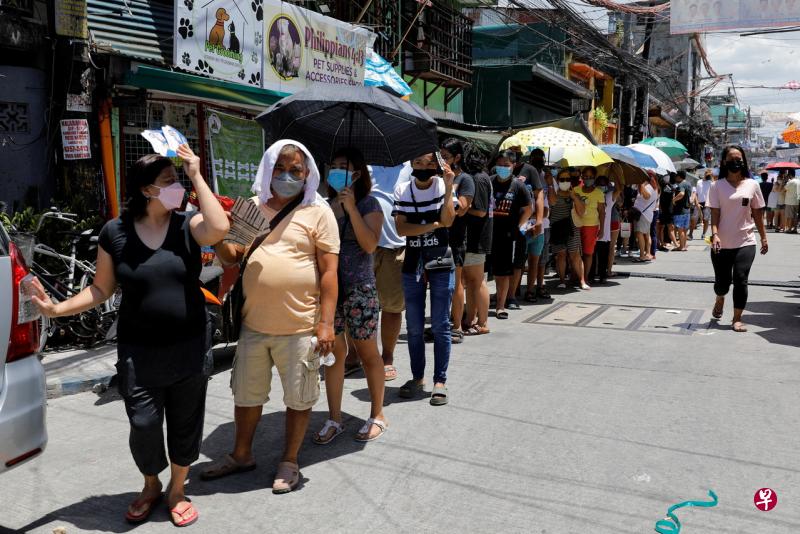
(634,214)
(440,263)
(625,229)
(232,308)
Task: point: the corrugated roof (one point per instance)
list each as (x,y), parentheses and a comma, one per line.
(140,29)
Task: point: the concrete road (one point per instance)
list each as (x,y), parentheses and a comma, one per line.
(605,409)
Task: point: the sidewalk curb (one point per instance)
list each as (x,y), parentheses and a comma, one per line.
(70,385)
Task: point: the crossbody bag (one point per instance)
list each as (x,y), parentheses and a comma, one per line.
(232,308)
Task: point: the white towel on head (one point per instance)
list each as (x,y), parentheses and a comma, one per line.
(261,186)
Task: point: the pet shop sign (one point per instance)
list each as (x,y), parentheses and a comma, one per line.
(220,38)
(303,47)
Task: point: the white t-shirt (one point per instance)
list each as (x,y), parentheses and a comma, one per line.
(647,205)
(607,222)
(703,187)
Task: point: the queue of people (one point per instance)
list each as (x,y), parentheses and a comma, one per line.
(336,272)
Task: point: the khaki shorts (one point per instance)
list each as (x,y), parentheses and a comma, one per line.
(473,258)
(298,368)
(790,211)
(389,278)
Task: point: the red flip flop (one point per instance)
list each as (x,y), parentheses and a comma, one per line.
(151,503)
(188,516)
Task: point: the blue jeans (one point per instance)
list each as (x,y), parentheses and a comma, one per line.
(442,284)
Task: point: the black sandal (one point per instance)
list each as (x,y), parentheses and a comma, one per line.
(530,297)
(410,389)
(542,292)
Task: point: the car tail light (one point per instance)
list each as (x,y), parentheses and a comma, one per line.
(24,339)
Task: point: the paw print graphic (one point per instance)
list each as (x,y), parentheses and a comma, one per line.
(204,67)
(255,78)
(189,4)
(185,29)
(254,56)
(258,9)
(258,39)
(186,58)
(241,74)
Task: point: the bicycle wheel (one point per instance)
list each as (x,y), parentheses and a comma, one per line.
(98,321)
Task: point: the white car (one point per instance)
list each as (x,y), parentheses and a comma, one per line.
(23,432)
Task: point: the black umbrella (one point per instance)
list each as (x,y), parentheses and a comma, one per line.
(386,129)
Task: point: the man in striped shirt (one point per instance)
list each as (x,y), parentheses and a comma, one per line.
(423,211)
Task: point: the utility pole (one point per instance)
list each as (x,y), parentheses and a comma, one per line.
(728,105)
(644,105)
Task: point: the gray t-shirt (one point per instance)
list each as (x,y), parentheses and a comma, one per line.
(463,186)
(355,265)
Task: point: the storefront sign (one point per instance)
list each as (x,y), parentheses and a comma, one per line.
(236,149)
(75,138)
(220,38)
(71,19)
(303,47)
(79,102)
(691,16)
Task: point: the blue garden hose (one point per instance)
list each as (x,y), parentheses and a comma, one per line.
(671,525)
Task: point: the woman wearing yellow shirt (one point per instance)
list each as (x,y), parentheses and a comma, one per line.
(594,202)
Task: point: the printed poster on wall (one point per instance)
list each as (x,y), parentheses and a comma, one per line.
(75,139)
(236,149)
(697,16)
(220,38)
(303,47)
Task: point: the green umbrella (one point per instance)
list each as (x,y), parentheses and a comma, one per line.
(671,147)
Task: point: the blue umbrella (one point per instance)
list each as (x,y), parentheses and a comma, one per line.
(632,157)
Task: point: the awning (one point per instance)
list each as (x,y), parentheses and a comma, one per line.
(134,28)
(562,82)
(179,83)
(378,72)
(486,141)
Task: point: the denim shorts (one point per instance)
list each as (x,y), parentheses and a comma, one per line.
(681,221)
(535,245)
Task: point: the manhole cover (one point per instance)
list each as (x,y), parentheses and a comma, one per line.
(616,317)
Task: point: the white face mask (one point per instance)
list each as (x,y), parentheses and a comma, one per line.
(564,186)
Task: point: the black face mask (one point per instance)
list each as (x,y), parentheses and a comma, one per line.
(423,175)
(735,165)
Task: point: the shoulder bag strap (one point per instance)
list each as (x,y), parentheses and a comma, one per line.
(288,208)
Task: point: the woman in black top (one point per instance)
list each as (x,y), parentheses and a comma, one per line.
(153,252)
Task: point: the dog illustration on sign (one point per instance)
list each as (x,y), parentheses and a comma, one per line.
(217,34)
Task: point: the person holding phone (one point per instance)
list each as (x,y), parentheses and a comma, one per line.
(423,211)
(360,220)
(153,252)
(736,208)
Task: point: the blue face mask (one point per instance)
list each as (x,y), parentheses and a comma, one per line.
(338,179)
(588,182)
(503,172)
(603,188)
(285,185)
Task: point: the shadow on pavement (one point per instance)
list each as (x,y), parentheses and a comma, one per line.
(267,448)
(105,513)
(390,396)
(780,319)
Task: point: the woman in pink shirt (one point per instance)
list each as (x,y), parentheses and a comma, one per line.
(736,204)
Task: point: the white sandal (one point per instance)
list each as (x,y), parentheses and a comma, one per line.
(319,437)
(365,429)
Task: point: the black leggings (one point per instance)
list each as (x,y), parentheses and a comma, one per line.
(183,405)
(733,265)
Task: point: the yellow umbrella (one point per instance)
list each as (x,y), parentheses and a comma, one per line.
(584,156)
(545,138)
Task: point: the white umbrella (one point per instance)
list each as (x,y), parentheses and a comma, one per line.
(665,165)
(686,164)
